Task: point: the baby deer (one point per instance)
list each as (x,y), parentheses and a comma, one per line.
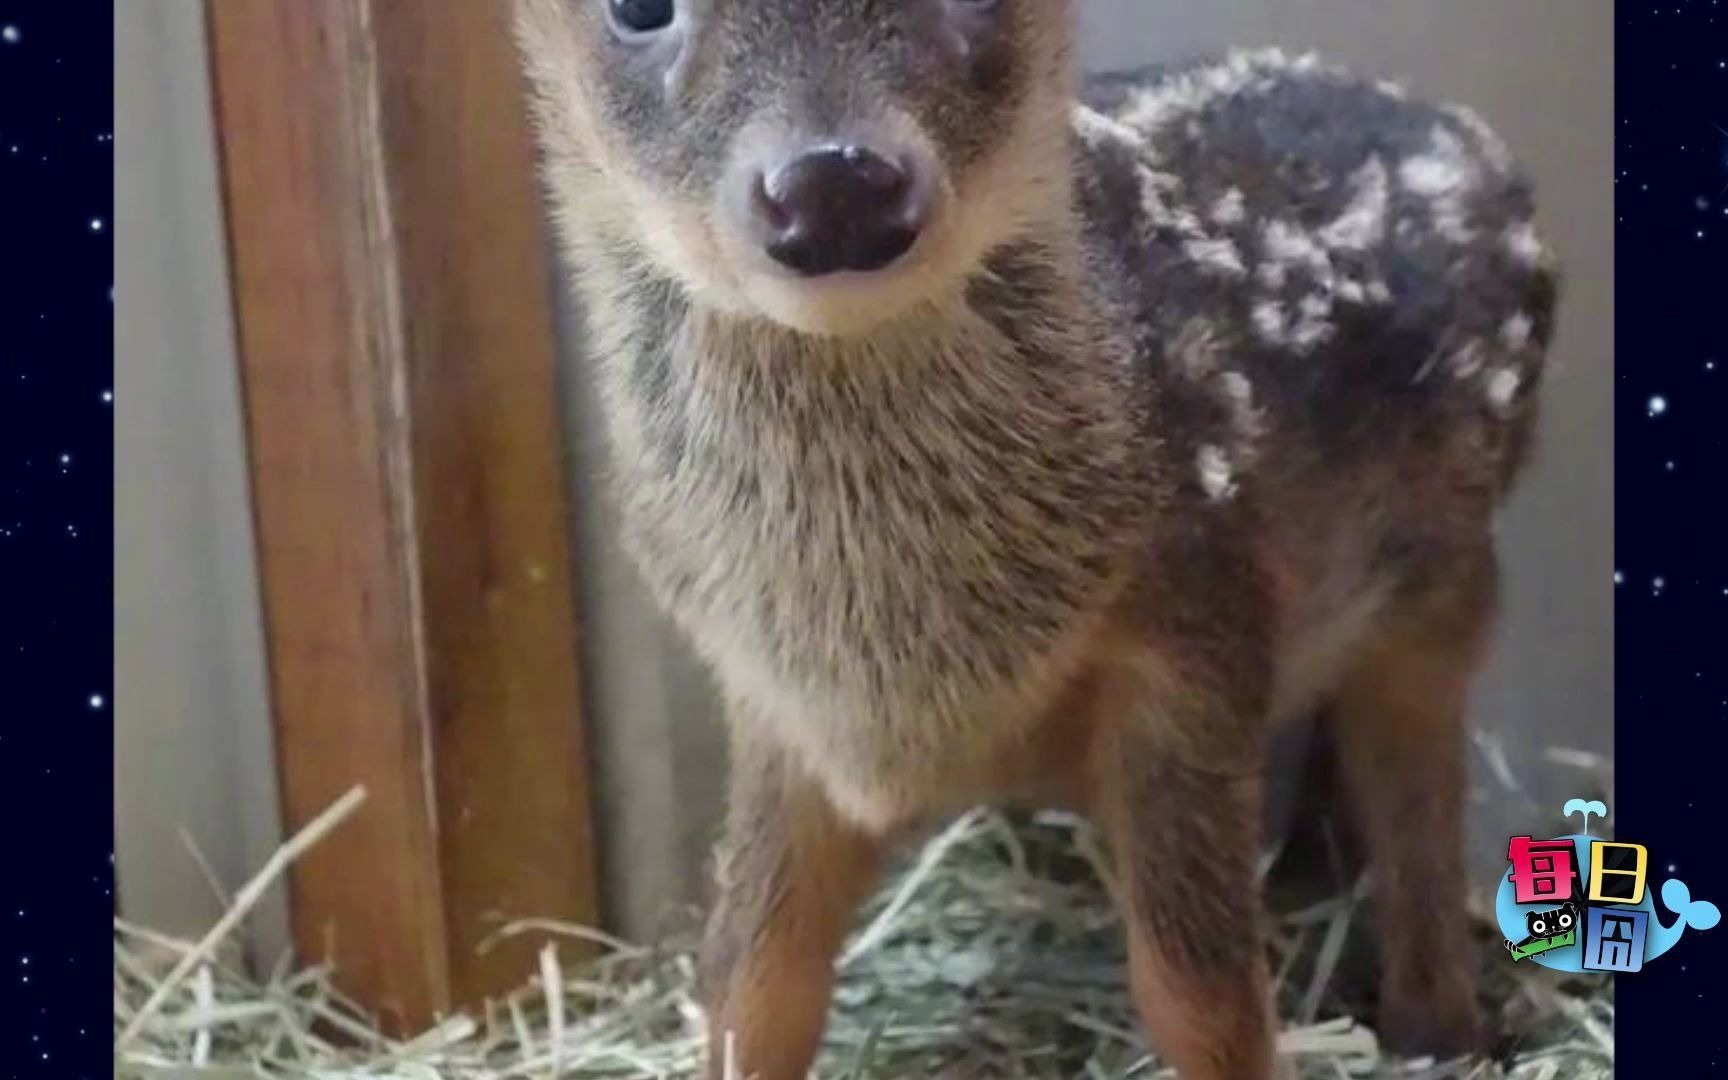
(1000,437)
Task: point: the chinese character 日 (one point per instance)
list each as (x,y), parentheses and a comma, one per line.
(1541,869)
(1628,884)
(1615,940)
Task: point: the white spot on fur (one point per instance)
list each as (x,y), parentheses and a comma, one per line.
(1095,129)
(1493,147)
(1244,417)
(1231,208)
(1237,387)
(1179,97)
(1157,199)
(1289,244)
(1217,255)
(1313,326)
(1463,362)
(1525,246)
(1444,175)
(1308,329)
(1440,172)
(1363,222)
(1215,474)
(1502,388)
(1393,90)
(1268,318)
(1468,360)
(1515,334)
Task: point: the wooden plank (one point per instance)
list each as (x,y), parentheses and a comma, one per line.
(390,292)
(489,488)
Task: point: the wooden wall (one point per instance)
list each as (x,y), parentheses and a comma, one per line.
(397,359)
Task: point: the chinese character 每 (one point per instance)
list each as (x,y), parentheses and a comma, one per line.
(1541,869)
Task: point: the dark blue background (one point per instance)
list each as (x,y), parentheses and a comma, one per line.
(56,526)
(1671,508)
(56,539)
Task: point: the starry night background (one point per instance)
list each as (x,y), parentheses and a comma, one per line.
(56,521)
(56,538)
(1671,505)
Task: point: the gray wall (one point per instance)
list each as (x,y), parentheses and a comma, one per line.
(1541,72)
(192,742)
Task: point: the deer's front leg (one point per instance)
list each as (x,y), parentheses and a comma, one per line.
(789,873)
(1183,824)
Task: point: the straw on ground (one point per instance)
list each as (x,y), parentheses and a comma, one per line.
(995,953)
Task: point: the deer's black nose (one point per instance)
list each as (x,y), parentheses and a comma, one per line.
(838,208)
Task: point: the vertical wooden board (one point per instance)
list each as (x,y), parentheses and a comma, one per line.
(321,355)
(488,487)
(391,293)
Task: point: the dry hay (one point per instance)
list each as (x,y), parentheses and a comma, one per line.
(993,954)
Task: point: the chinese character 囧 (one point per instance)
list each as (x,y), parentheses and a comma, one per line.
(1541,869)
(1615,940)
(1627,884)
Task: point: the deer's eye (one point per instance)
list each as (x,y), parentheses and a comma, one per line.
(635,18)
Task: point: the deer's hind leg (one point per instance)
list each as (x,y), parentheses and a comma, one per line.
(1398,719)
